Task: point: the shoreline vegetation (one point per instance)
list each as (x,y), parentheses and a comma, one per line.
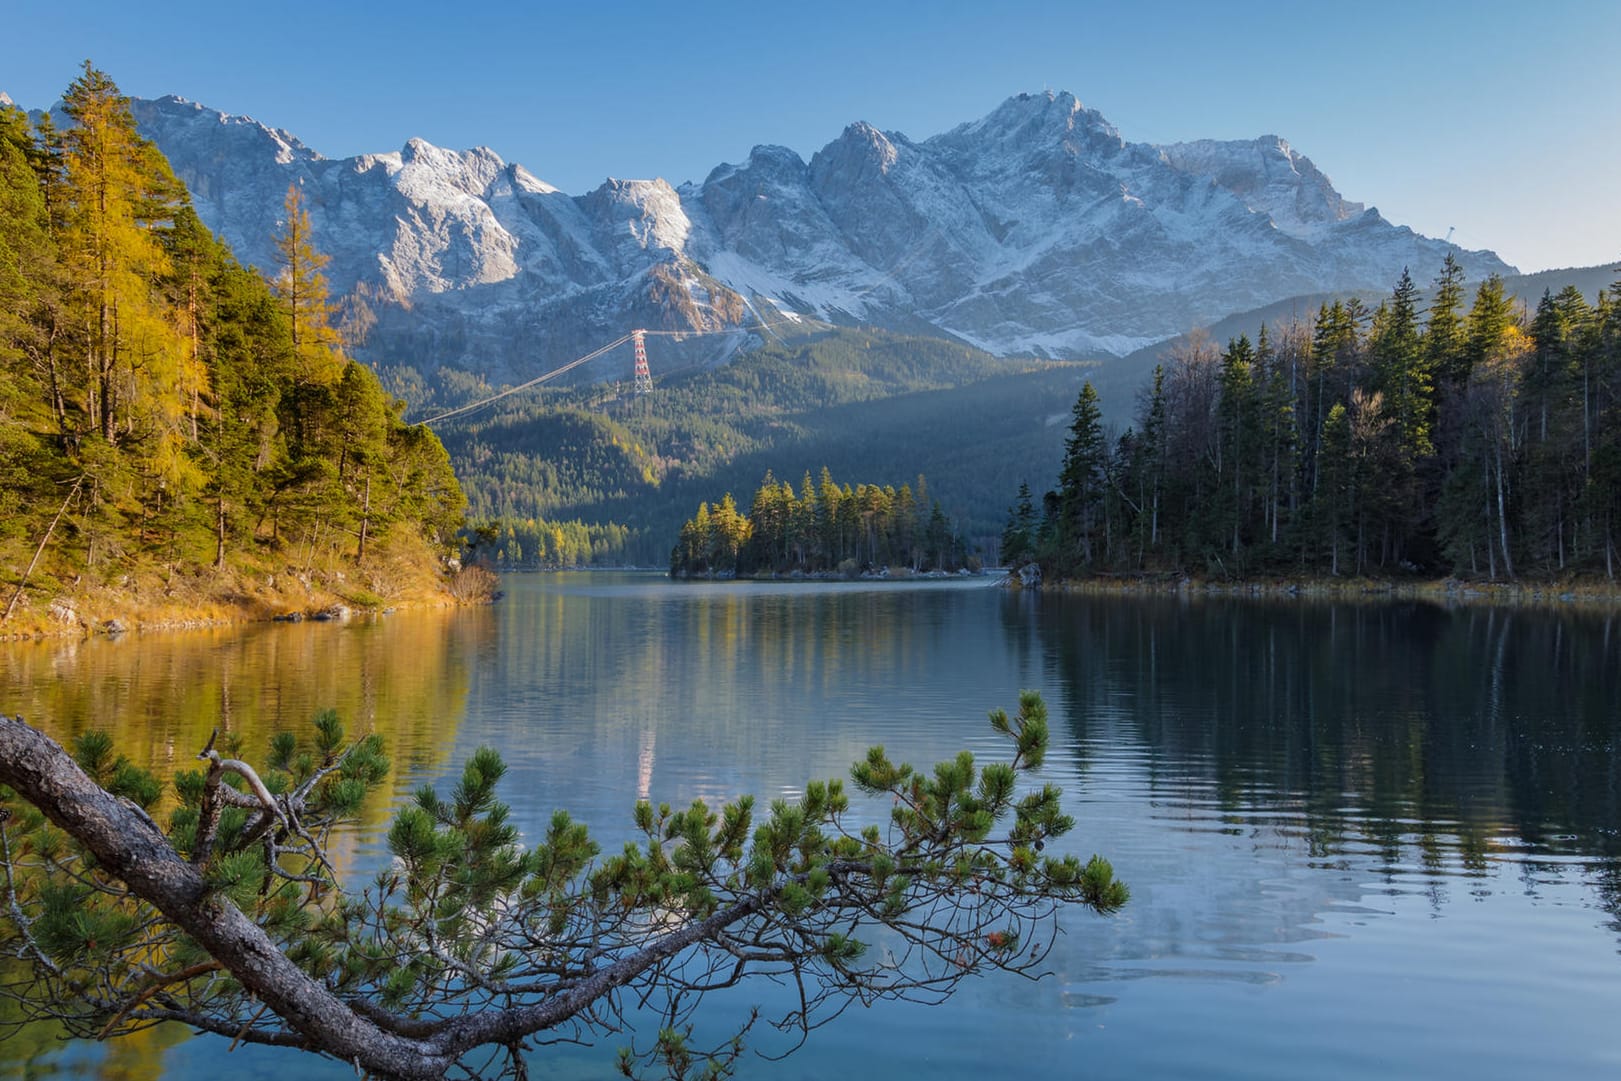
(1448,591)
(294,595)
(184,441)
(1426,438)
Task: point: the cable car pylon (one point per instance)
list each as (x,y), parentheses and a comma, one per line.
(643,377)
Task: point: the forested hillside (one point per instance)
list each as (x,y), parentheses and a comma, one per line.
(175,432)
(559,477)
(1421,437)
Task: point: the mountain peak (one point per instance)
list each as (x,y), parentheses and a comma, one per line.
(764,160)
(1036,229)
(769,154)
(864,135)
(1038,124)
(1270,176)
(417,149)
(5,100)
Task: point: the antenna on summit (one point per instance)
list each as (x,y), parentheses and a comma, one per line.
(1450,230)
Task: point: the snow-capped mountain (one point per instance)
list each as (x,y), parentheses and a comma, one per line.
(1036,229)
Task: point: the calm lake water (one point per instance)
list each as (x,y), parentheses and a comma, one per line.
(1362,840)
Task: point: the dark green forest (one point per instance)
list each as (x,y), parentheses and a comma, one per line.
(1426,436)
(173,426)
(825,528)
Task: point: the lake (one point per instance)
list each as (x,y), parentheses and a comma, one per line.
(1363,840)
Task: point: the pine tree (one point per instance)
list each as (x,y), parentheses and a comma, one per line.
(1490,319)
(1402,372)
(1153,451)
(1018,539)
(1239,440)
(1602,496)
(1445,339)
(1081,478)
(1277,427)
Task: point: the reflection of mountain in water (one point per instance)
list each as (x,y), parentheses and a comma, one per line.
(1406,734)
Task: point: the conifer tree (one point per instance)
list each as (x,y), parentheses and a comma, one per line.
(153,412)
(1082,476)
(1402,373)
(302,287)
(474,946)
(1239,441)
(1277,426)
(1018,539)
(117,190)
(1444,335)
(1336,486)
(1153,453)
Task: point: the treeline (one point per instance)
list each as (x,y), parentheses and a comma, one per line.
(539,544)
(826,528)
(1400,440)
(160,405)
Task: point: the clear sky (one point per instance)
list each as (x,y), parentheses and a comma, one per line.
(1501,120)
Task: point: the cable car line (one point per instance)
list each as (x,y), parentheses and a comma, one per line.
(593,355)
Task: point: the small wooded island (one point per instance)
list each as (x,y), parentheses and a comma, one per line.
(825,531)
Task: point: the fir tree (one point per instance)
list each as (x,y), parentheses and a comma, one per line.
(1081,478)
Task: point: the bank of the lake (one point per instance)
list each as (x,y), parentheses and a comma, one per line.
(208,598)
(1446,591)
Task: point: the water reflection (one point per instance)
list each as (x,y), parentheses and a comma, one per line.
(1409,738)
(161,695)
(1363,840)
(406,677)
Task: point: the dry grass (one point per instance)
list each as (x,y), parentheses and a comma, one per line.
(398,573)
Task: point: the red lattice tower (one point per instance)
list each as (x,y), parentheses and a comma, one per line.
(644,378)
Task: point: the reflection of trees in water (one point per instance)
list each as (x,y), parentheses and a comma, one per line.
(33,1050)
(1431,735)
(405,677)
(160,695)
(706,684)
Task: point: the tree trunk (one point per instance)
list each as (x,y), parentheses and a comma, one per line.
(43,541)
(127,845)
(219,532)
(1502,517)
(365,521)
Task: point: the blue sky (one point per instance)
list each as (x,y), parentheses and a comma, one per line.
(1500,120)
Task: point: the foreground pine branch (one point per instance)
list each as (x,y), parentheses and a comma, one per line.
(471,948)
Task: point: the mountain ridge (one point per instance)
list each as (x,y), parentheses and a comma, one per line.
(1034,230)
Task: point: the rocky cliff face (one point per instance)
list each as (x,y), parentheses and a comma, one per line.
(1037,229)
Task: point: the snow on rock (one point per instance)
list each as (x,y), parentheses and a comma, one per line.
(1035,229)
